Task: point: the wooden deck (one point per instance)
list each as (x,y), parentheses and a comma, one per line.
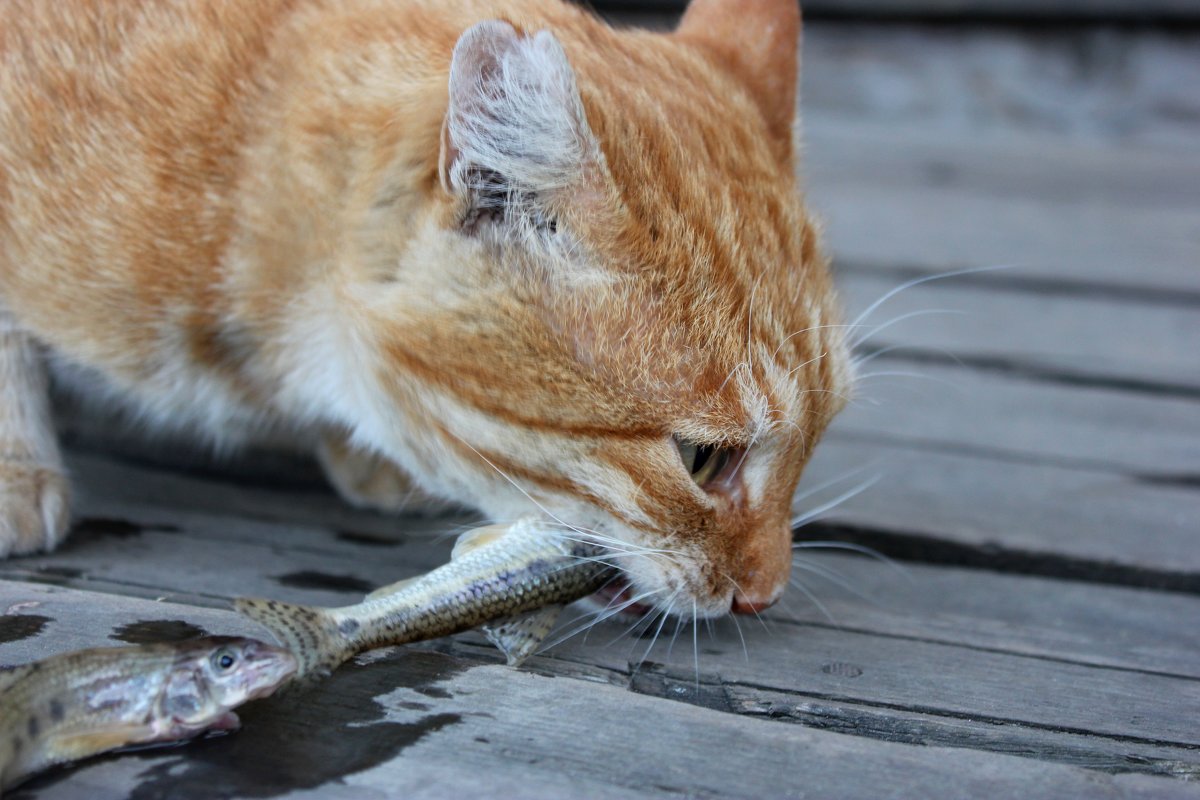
(1039,486)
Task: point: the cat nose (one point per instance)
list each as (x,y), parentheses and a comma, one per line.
(751,604)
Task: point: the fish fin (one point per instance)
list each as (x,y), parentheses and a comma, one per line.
(476,538)
(74,746)
(518,637)
(391,588)
(313,634)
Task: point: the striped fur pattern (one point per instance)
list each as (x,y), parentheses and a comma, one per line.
(497,247)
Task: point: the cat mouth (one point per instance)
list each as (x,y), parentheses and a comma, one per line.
(616,598)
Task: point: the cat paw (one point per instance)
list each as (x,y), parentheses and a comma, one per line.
(34,508)
(369,480)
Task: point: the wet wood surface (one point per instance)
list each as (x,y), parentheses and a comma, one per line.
(1029,443)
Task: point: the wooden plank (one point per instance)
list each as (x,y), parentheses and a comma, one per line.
(1049,209)
(958,10)
(1084,623)
(975,661)
(425,724)
(1089,524)
(976,671)
(1021,418)
(949,680)
(1083,750)
(187,563)
(153,486)
(37,621)
(1076,338)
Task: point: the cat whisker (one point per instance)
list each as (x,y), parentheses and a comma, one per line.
(799,367)
(605,540)
(905,374)
(809,329)
(750,327)
(857,343)
(518,487)
(666,612)
(852,547)
(597,618)
(808,516)
(834,577)
(737,626)
(813,599)
(820,487)
(917,282)
(647,619)
(858,361)
(678,627)
(595,537)
(729,377)
(738,588)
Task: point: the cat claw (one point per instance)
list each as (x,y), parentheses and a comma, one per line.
(34,508)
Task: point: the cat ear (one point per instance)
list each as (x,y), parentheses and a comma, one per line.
(759,40)
(515,132)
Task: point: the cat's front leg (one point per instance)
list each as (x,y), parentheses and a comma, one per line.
(34,497)
(369,480)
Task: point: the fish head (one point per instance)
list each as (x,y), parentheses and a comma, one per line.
(212,676)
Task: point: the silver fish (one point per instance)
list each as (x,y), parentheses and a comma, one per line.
(79,704)
(516,577)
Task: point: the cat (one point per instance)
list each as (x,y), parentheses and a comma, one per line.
(491,253)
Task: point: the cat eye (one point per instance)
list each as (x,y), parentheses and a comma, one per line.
(703,462)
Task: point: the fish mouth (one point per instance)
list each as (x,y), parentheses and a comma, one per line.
(278,669)
(616,598)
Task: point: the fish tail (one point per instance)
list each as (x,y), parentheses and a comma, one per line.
(314,635)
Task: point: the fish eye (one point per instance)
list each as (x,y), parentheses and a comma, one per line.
(703,462)
(224,659)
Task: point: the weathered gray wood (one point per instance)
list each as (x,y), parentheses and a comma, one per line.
(973,654)
(1060,337)
(1019,418)
(175,565)
(1085,623)
(107,480)
(1082,750)
(423,724)
(961,10)
(1097,519)
(937,209)
(37,621)
(951,680)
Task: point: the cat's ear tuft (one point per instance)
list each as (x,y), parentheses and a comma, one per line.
(759,40)
(515,133)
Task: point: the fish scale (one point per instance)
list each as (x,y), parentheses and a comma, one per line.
(497,573)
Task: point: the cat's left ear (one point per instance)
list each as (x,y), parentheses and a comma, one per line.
(758,40)
(515,138)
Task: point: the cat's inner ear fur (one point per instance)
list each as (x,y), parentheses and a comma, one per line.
(515,137)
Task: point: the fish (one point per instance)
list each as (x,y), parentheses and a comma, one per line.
(82,703)
(514,579)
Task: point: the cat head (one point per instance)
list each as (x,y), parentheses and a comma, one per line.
(624,323)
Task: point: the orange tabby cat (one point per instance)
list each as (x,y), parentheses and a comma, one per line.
(533,264)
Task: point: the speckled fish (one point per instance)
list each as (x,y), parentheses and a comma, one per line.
(79,704)
(515,577)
